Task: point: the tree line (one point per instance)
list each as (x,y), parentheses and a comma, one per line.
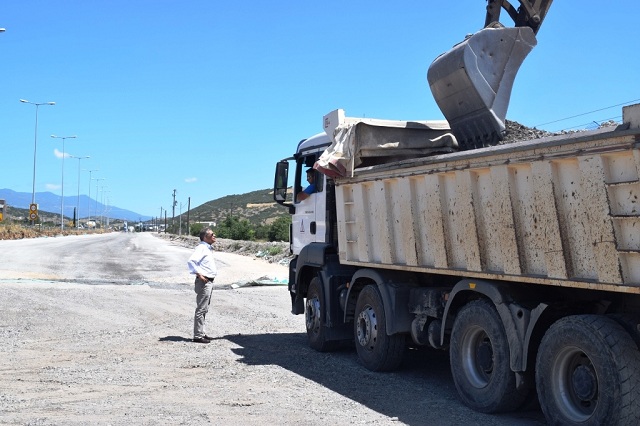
(235,228)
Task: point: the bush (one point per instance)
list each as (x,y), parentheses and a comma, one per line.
(235,229)
(273,251)
(196,228)
(279,230)
(261,232)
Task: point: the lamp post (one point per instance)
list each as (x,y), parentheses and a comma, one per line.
(35,145)
(64,154)
(97,181)
(107,206)
(89,200)
(78,202)
(102,200)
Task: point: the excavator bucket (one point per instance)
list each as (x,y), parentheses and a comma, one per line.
(472,82)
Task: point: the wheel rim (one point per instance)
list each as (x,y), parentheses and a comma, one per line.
(312,314)
(367,328)
(477,357)
(576,384)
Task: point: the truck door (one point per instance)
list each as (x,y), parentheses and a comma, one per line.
(309,221)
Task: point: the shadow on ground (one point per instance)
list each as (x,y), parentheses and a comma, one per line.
(421,392)
(174,339)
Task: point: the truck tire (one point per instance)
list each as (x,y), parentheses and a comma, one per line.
(630,323)
(313,314)
(376,350)
(588,373)
(479,356)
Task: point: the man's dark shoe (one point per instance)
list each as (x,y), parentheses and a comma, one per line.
(209,337)
(201,340)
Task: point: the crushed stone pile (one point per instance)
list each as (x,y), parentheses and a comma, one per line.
(515,132)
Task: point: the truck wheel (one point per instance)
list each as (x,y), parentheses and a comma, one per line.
(376,350)
(479,355)
(588,373)
(313,313)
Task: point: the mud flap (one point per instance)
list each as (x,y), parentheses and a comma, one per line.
(472,82)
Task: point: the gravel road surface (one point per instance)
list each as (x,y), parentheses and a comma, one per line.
(96,329)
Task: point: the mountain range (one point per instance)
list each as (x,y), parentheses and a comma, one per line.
(49,202)
(257,207)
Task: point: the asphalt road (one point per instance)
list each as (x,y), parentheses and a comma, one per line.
(96,329)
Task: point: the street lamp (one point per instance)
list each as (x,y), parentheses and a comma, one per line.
(35,145)
(102,201)
(64,154)
(78,202)
(107,206)
(97,180)
(89,200)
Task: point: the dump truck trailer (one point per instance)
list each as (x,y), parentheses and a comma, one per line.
(522,260)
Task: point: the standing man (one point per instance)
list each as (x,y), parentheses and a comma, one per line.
(202,264)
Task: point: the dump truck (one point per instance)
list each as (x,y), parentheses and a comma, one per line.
(522,260)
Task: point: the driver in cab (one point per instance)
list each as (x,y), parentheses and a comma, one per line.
(303,195)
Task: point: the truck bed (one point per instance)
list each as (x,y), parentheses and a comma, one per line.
(562,211)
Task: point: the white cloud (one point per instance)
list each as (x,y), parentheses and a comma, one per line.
(191,180)
(60,154)
(52,186)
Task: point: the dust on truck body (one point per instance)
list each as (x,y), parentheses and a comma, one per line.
(522,260)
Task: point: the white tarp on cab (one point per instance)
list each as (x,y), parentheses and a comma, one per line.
(367,142)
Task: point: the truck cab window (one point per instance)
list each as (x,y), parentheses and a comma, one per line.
(308,181)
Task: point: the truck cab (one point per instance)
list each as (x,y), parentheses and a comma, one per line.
(308,216)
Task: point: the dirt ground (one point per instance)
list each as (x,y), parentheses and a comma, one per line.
(97,330)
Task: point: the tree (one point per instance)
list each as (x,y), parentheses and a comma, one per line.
(196,228)
(279,230)
(235,229)
(261,232)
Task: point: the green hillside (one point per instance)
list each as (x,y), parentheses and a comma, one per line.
(257,207)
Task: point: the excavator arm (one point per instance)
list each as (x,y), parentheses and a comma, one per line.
(529,14)
(472,82)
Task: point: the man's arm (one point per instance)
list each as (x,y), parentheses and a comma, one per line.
(303,195)
(194,261)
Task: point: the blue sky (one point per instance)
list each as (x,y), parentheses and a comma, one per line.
(205,96)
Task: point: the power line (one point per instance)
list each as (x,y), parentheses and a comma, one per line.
(585,113)
(617,118)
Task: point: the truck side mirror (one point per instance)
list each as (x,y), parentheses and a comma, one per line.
(280,182)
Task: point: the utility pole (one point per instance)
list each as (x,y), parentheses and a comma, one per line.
(188,211)
(173,214)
